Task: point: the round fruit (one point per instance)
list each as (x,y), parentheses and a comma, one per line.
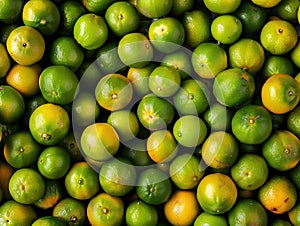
(4,61)
(154,186)
(209,59)
(278,37)
(206,219)
(282,150)
(166,34)
(141,213)
(278,195)
(10,11)
(12,104)
(99,141)
(230,82)
(164,81)
(54,162)
(26,186)
(247,211)
(81,181)
(90,31)
(182,208)
(192,97)
(226,29)
(55,88)
(220,150)
(216,193)
(252,124)
(135,50)
(154,112)
(48,221)
(42,15)
(49,124)
(161,146)
(25,45)
(246,54)
(104,209)
(189,130)
(185,171)
(122,18)
(113,92)
(280,93)
(117,177)
(250,171)
(154,8)
(221,6)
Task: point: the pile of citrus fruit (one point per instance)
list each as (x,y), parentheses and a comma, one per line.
(150,112)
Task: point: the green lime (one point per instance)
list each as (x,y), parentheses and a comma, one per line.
(16,213)
(282,150)
(138,157)
(278,37)
(197,27)
(71,211)
(252,17)
(141,213)
(216,193)
(218,117)
(154,112)
(220,150)
(250,171)
(287,10)
(185,171)
(48,221)
(5,31)
(164,81)
(161,146)
(21,150)
(154,8)
(192,97)
(117,177)
(55,88)
(206,219)
(246,54)
(49,124)
(179,7)
(294,55)
(85,109)
(108,58)
(53,193)
(166,34)
(70,11)
(66,51)
(294,214)
(247,211)
(180,61)
(125,123)
(104,209)
(90,31)
(135,50)
(54,162)
(209,59)
(252,124)
(81,181)
(25,45)
(154,187)
(139,78)
(11,11)
(26,186)
(4,61)
(277,65)
(99,141)
(42,15)
(12,104)
(189,130)
(114,92)
(293,121)
(239,81)
(221,6)
(71,145)
(226,29)
(122,18)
